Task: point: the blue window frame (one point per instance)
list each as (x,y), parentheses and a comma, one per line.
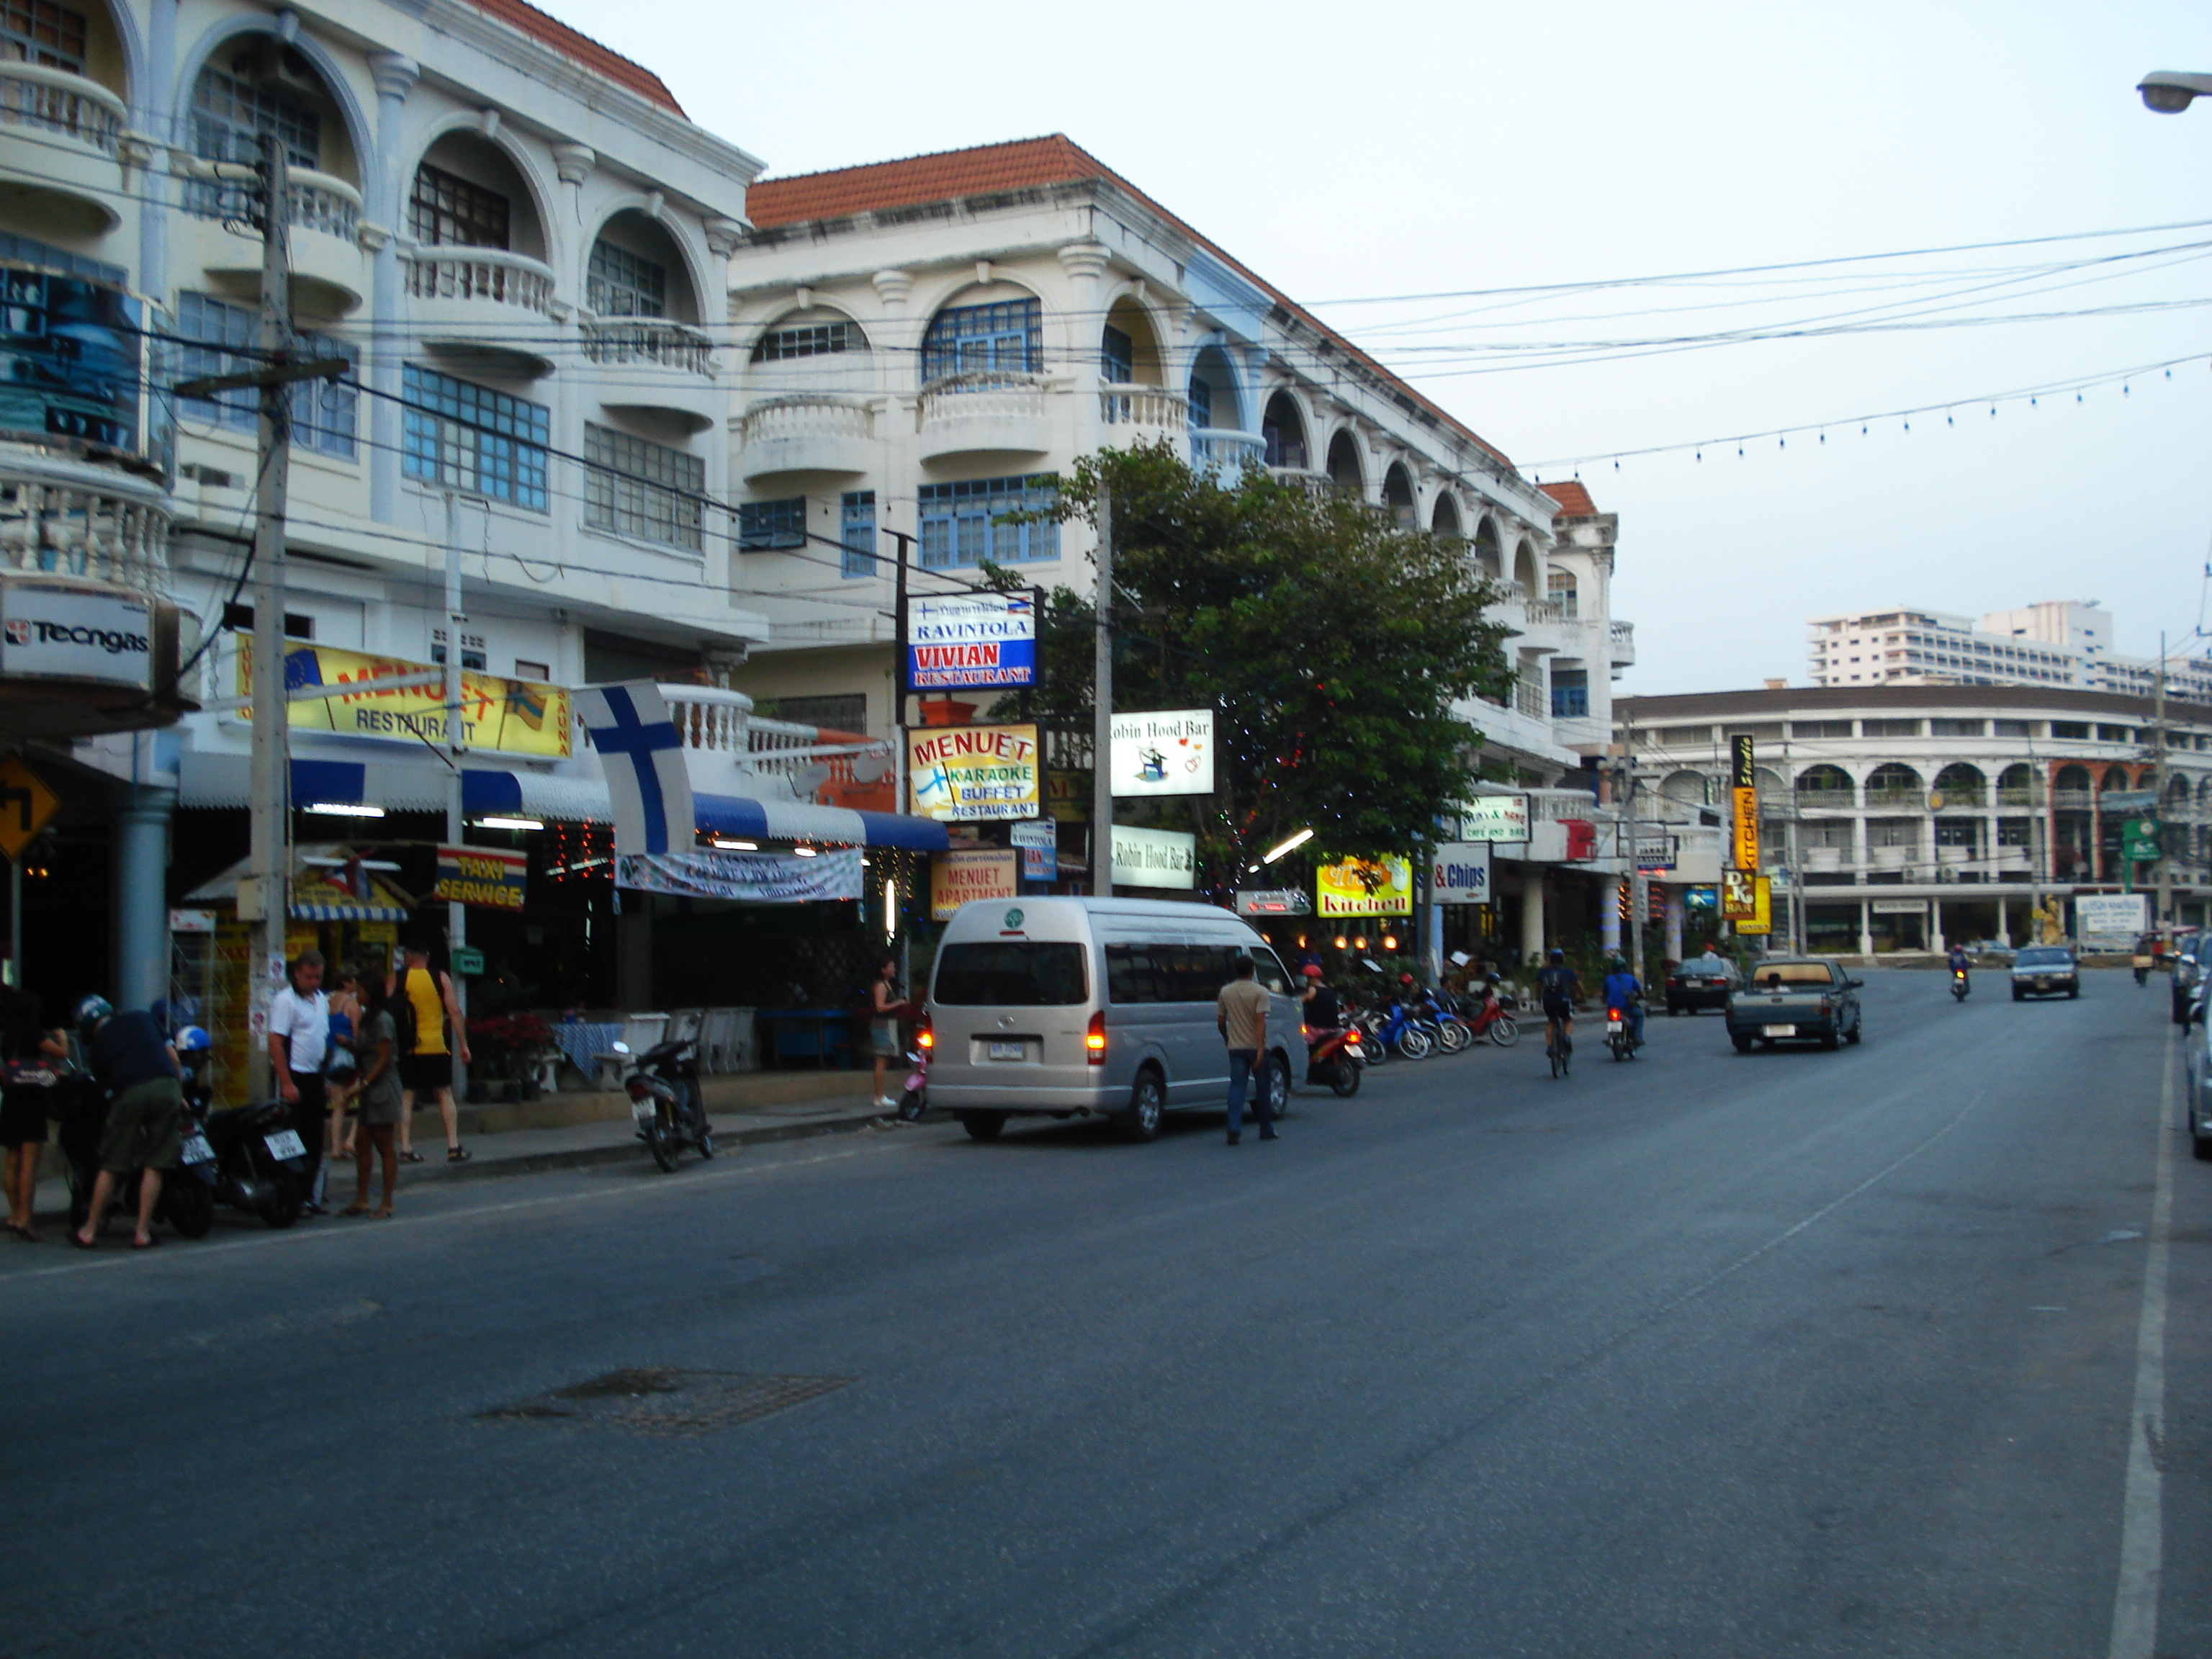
(1117,356)
(223,343)
(960,522)
(764,526)
(1570,693)
(468,437)
(1201,402)
(858,532)
(1008,336)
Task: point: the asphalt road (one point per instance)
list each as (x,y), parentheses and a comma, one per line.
(1794,1353)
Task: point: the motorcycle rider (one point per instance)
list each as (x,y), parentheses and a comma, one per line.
(1557,986)
(1624,991)
(1319,1011)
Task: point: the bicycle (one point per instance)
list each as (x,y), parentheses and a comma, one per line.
(1558,1042)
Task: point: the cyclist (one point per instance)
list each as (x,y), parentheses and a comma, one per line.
(1558,987)
(1624,991)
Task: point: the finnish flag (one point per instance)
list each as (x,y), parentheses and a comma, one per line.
(643,758)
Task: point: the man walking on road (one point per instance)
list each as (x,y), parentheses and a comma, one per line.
(1241,1012)
(299,1038)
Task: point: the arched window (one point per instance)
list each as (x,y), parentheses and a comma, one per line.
(1488,554)
(1128,352)
(637,270)
(1688,788)
(1443,518)
(1005,337)
(1398,496)
(1213,393)
(1961,785)
(1524,570)
(820,332)
(1564,591)
(1893,784)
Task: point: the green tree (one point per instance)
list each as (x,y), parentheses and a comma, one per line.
(1334,644)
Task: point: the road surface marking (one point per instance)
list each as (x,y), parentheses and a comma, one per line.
(2142,1544)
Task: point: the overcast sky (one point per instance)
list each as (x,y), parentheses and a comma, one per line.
(1351,152)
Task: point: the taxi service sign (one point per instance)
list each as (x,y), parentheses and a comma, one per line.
(972,774)
(483,876)
(1365,887)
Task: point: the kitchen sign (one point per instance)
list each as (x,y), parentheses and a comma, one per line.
(1164,754)
(1365,887)
(971,773)
(971,640)
(1743,801)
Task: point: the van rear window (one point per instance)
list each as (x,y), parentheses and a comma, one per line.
(1182,973)
(1010,974)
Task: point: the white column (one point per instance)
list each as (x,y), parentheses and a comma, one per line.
(1609,922)
(1866,927)
(1936,925)
(1674,916)
(385,194)
(1532,912)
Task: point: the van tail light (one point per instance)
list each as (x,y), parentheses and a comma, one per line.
(924,1037)
(1093,1039)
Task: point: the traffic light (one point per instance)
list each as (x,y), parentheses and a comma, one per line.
(1623,896)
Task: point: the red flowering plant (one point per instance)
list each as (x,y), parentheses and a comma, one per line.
(509,1041)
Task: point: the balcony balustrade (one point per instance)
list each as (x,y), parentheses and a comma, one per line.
(986,412)
(483,303)
(805,433)
(666,366)
(65,518)
(73,172)
(2070,801)
(1621,640)
(328,269)
(1225,454)
(1146,406)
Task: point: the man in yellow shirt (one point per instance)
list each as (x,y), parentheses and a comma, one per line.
(1241,1012)
(423,1003)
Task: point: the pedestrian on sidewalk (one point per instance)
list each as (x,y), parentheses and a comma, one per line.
(887,1005)
(299,1041)
(133,1061)
(431,1032)
(378,1095)
(1241,1013)
(341,1067)
(28,1058)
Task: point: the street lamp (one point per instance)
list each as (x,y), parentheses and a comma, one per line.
(2170,92)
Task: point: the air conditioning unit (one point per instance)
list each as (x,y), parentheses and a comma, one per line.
(271,64)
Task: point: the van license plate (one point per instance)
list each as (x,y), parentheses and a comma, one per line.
(1778,1031)
(1005,1051)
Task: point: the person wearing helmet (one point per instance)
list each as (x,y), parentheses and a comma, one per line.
(1557,987)
(133,1061)
(1624,991)
(1318,1010)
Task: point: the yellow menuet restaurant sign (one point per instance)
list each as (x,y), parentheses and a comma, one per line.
(515,717)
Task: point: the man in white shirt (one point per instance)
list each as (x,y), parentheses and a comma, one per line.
(299,1037)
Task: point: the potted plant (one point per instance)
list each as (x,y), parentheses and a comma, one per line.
(507,1047)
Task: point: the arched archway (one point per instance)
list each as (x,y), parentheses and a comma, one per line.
(636,268)
(1214,403)
(1826,785)
(1128,348)
(468,191)
(1489,555)
(2075,776)
(1444,517)
(239,81)
(1398,497)
(1894,783)
(1525,570)
(1344,469)
(1961,785)
(1688,788)
(2014,782)
(1283,433)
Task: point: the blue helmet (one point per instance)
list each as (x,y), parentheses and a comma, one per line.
(194,1039)
(89,1013)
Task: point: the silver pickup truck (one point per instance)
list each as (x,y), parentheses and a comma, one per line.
(1795,998)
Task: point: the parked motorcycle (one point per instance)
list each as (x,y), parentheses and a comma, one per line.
(245,1157)
(663,1086)
(1492,1020)
(1388,1028)
(915,1101)
(1335,1056)
(1444,1022)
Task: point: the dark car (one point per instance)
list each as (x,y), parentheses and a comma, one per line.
(1701,982)
(2045,971)
(1788,998)
(2188,967)
(2199,1106)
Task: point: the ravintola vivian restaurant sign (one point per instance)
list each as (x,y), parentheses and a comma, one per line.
(971,640)
(964,773)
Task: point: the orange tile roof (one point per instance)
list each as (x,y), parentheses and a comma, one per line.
(1017,164)
(552,31)
(1574,501)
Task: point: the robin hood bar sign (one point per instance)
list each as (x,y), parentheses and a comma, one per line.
(971,640)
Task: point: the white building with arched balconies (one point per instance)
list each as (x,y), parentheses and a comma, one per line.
(922,343)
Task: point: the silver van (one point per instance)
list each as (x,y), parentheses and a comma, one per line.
(1084,1007)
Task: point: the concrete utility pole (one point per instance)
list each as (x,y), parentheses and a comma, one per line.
(269,843)
(2164,913)
(1101,729)
(1639,887)
(457,915)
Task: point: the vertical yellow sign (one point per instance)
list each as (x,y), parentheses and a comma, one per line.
(1761,920)
(1743,799)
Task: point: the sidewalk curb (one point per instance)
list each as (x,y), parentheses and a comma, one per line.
(576,1157)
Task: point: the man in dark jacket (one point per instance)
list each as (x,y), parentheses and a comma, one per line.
(132,1059)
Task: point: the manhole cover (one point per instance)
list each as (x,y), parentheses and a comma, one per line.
(666,1400)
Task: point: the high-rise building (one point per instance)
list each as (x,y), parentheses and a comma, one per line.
(2057,643)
